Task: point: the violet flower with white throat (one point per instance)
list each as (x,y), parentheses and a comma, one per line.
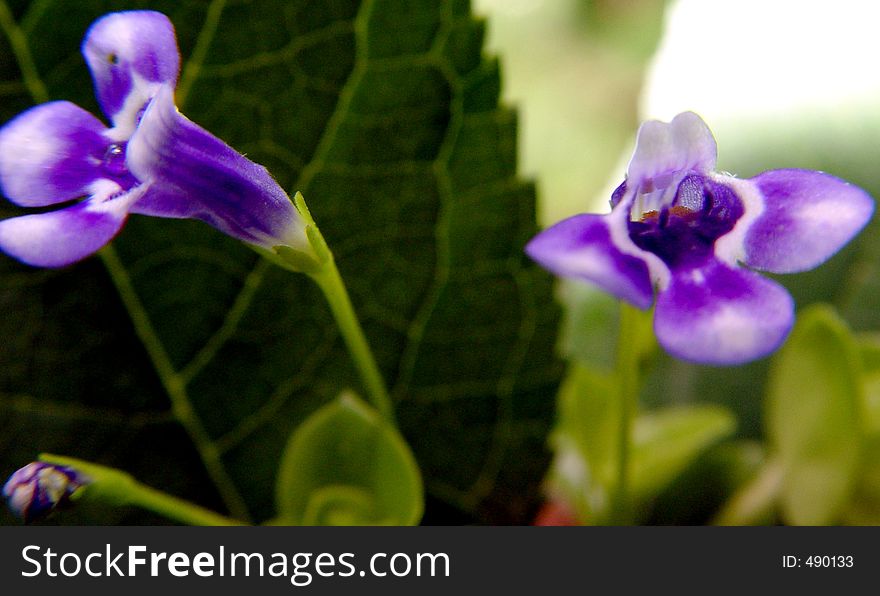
(152,160)
(692,236)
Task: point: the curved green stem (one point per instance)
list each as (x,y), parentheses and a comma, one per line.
(318,263)
(330,282)
(175,508)
(110,486)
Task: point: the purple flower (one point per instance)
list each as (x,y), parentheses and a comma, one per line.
(152,160)
(681,230)
(37,489)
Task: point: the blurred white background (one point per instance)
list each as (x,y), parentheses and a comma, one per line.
(782,83)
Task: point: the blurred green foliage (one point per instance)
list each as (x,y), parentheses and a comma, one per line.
(815,417)
(747,467)
(574,68)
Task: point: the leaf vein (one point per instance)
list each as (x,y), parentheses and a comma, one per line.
(200,51)
(250,424)
(174,385)
(230,322)
(17,40)
(27,404)
(290,51)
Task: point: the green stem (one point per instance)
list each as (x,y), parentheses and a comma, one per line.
(176,509)
(330,282)
(110,486)
(629,342)
(318,263)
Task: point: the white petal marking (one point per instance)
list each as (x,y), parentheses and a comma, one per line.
(731,247)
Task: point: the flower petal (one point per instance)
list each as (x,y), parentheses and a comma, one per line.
(62,237)
(50,154)
(195,174)
(720,315)
(168,203)
(130,54)
(583,247)
(682,145)
(807,217)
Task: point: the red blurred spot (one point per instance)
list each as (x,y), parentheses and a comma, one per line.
(555,513)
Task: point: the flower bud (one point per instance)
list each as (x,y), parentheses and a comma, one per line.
(39,488)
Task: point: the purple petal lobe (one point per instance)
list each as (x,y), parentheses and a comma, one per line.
(62,237)
(195,174)
(583,247)
(719,315)
(684,144)
(130,54)
(807,217)
(50,154)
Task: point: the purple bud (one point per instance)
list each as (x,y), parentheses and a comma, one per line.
(39,488)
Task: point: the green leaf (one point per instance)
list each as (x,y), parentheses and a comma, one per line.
(715,476)
(814,420)
(385,114)
(756,501)
(863,508)
(585,442)
(346,466)
(665,442)
(869,346)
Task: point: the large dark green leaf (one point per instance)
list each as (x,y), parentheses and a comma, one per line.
(385,114)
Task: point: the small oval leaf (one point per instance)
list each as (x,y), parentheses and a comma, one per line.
(345,465)
(814,417)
